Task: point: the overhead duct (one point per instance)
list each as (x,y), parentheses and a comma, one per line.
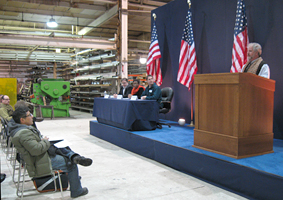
(57,42)
(33,56)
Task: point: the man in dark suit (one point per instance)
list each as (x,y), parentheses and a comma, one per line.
(125,88)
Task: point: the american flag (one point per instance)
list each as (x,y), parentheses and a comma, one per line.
(153,59)
(241,40)
(188,59)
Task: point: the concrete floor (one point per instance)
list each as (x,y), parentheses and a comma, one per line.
(115,172)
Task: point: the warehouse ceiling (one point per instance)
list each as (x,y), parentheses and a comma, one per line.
(82,24)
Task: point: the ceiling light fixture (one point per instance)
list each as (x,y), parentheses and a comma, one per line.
(143,60)
(52,23)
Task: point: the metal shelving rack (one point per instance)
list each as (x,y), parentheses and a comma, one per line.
(94,76)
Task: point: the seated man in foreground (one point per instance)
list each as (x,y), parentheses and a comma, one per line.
(152,91)
(36,152)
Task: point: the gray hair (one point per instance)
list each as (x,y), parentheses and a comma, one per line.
(256,47)
(20,103)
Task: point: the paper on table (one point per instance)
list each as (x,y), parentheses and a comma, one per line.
(62,144)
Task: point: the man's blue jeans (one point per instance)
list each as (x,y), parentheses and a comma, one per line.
(58,163)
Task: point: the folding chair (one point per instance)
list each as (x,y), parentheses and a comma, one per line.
(22,173)
(10,151)
(4,133)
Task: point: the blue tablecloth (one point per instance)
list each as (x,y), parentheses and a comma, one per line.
(127,114)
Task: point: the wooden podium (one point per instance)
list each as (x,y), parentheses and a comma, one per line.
(234,114)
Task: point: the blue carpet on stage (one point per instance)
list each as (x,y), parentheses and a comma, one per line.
(258,177)
(183,136)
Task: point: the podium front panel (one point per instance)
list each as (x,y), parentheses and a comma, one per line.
(234,114)
(219,108)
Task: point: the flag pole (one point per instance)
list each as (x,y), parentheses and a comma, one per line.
(192,107)
(192,97)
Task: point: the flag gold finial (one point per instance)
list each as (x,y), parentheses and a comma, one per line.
(189,2)
(154,16)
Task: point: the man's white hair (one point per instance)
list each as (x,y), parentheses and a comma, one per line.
(256,47)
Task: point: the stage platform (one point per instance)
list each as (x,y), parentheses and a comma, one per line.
(258,177)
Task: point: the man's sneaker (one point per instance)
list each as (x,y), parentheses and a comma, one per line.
(84,192)
(82,160)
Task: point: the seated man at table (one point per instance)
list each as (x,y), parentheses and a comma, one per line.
(137,89)
(152,91)
(125,89)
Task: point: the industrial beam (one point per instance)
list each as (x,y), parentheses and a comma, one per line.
(100,20)
(22,28)
(28,7)
(30,52)
(17,14)
(153,3)
(74,1)
(41,18)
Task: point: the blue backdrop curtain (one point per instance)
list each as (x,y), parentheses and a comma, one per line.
(213,26)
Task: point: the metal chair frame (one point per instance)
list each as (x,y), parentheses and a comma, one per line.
(22,179)
(10,152)
(4,134)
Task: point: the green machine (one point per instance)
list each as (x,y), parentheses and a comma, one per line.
(51,95)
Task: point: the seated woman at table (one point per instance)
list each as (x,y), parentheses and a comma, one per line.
(137,89)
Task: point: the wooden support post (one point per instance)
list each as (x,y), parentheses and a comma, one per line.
(124,38)
(54,70)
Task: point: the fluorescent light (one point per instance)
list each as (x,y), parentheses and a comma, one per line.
(52,23)
(58,50)
(142,60)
